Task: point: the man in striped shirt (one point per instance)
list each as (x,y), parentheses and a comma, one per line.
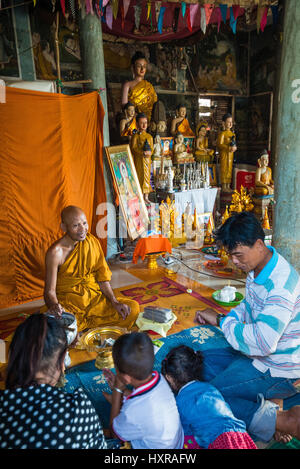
(263,331)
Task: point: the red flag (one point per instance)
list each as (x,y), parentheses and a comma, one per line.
(208,11)
(63,6)
(236,10)
(264,19)
(188,18)
(122,14)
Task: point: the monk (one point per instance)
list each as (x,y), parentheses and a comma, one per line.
(77,278)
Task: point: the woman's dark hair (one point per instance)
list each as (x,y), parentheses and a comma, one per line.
(242,228)
(38,345)
(137,56)
(183,364)
(133,355)
(226,116)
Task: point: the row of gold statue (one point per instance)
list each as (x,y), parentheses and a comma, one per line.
(140,102)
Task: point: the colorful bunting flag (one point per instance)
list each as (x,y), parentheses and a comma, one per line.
(122,14)
(203,20)
(194,8)
(115,8)
(223,9)
(157,10)
(109,16)
(148,10)
(274,9)
(183,8)
(264,19)
(175,19)
(137,15)
(105,2)
(219,17)
(208,11)
(63,6)
(236,10)
(232,21)
(260,12)
(126,4)
(188,18)
(161,19)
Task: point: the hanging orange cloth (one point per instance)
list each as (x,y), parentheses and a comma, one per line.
(50,157)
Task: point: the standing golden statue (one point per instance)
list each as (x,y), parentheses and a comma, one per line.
(142,147)
(264,184)
(139,91)
(180,124)
(202,153)
(227,146)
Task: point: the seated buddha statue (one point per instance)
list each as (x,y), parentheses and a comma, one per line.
(139,91)
(180,124)
(179,150)
(264,185)
(202,152)
(128,122)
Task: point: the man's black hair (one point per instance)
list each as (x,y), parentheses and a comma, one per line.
(242,228)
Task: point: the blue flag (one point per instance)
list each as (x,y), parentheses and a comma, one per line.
(232,21)
(161,19)
(183,8)
(223,9)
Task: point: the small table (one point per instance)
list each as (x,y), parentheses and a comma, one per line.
(151,247)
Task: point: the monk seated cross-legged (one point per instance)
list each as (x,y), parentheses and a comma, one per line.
(77,278)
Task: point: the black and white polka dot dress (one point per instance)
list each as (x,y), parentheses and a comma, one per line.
(45,417)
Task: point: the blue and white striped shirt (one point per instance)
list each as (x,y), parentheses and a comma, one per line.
(266,325)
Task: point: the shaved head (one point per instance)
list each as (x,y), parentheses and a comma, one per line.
(69,212)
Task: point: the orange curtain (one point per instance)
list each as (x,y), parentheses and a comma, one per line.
(51,156)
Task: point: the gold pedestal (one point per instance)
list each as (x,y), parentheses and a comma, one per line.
(152,260)
(104,359)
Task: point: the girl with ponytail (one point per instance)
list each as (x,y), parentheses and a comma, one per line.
(207,419)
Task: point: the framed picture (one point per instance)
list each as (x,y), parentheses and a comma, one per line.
(128,190)
(212,174)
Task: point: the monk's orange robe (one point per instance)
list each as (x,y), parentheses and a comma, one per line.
(79,293)
(184,128)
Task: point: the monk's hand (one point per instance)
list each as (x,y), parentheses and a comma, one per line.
(123,309)
(56,309)
(206,316)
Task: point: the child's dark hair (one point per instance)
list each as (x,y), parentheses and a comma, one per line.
(183,364)
(38,345)
(242,228)
(133,355)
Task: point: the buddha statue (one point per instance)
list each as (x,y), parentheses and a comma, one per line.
(227,146)
(180,124)
(157,148)
(264,185)
(159,118)
(202,152)
(179,150)
(128,123)
(139,91)
(141,145)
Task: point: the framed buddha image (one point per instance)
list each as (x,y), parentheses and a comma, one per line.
(128,189)
(189,144)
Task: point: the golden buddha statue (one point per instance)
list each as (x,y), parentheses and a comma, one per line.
(202,152)
(128,122)
(227,147)
(139,91)
(179,150)
(141,145)
(180,124)
(264,185)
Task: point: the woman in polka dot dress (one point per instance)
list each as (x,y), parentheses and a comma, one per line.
(33,412)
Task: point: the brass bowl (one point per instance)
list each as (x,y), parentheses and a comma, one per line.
(93,339)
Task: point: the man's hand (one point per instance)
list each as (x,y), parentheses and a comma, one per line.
(206,316)
(56,309)
(123,309)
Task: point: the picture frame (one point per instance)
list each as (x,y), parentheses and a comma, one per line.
(128,189)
